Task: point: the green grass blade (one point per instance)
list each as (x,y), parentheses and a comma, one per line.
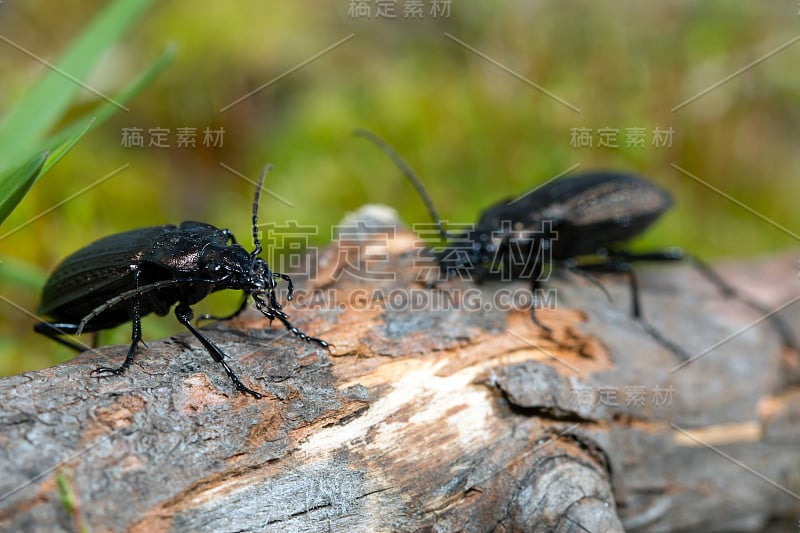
(16,184)
(42,106)
(60,150)
(104,111)
(13,187)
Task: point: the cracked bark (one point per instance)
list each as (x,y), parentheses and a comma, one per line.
(467,419)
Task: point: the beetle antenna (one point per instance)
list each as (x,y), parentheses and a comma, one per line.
(403,166)
(256,242)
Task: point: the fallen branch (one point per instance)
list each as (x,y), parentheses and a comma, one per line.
(462,419)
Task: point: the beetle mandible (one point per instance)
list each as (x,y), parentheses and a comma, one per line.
(123,277)
(579,223)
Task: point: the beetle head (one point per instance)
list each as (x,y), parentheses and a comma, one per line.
(236,268)
(471,251)
(505,254)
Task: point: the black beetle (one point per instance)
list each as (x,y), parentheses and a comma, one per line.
(578,222)
(123,277)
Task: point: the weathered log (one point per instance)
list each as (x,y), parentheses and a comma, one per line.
(470,418)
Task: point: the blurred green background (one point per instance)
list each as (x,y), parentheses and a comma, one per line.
(473,132)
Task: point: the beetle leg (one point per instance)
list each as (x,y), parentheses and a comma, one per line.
(267,310)
(134,293)
(727,290)
(292,329)
(239,310)
(573,268)
(623,267)
(55,330)
(272,314)
(273,297)
(532,271)
(184,315)
(136,336)
(229,236)
(288,280)
(273,300)
(534,316)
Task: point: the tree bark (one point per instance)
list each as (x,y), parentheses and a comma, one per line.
(471,418)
